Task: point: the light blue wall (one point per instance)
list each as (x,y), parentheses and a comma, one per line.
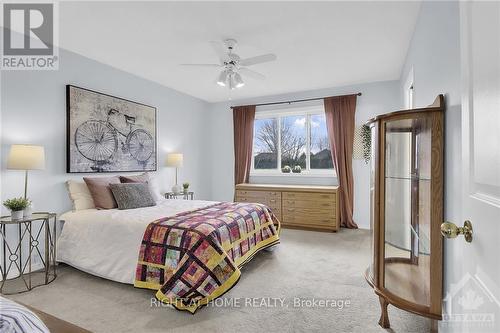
(33,110)
(377,98)
(434,54)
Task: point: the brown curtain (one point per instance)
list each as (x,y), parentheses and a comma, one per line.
(243,119)
(339,112)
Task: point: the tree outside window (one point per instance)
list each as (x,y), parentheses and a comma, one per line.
(291,140)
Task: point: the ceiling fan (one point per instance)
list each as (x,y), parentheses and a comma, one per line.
(233,66)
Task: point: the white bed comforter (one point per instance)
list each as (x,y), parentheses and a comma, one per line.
(106,242)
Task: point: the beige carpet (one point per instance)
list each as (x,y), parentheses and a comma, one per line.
(306,265)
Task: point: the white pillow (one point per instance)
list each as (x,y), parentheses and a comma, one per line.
(145,177)
(80,195)
(154,187)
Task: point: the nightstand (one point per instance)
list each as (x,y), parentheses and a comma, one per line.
(29,257)
(182,195)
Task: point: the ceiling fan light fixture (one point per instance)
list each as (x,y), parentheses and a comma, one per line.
(231,64)
(221,81)
(238,81)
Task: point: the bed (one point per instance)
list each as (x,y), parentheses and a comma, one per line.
(189,251)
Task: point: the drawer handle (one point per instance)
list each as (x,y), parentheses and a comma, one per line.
(291,209)
(272,200)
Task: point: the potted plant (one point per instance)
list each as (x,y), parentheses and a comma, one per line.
(286,169)
(185,186)
(297,169)
(16,206)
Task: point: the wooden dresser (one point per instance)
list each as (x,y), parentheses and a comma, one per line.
(296,206)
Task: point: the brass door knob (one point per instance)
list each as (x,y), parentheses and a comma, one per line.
(450,230)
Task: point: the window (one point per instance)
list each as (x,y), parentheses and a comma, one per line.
(321,156)
(291,138)
(293,141)
(265,144)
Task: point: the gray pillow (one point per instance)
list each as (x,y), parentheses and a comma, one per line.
(132,195)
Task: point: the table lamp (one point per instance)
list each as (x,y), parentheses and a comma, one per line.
(26,157)
(175,160)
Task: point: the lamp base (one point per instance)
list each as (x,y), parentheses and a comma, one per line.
(176,189)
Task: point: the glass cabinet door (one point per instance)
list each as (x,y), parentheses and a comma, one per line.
(406,177)
(373,196)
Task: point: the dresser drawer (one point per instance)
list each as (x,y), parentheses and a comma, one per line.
(277,213)
(306,216)
(258,193)
(324,197)
(318,204)
(252,200)
(329,212)
(270,202)
(312,221)
(274,202)
(298,206)
(251,194)
(275,209)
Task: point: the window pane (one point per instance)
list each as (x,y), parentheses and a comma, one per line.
(265,144)
(321,157)
(293,141)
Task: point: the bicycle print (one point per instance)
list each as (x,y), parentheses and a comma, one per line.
(109,134)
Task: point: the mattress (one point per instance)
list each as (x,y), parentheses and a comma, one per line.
(106,243)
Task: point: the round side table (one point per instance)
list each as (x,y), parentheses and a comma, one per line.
(182,195)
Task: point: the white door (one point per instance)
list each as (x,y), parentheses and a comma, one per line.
(472,296)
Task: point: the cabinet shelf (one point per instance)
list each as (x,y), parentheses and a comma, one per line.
(408,178)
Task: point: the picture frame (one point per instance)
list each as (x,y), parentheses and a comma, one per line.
(107,134)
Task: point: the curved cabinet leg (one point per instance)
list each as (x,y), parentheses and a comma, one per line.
(384,316)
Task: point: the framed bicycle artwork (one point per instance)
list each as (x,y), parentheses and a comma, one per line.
(108,134)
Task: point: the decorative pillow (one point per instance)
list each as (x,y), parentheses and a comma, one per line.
(144,178)
(100,191)
(80,195)
(132,195)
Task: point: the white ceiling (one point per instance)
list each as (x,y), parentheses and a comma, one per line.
(318,44)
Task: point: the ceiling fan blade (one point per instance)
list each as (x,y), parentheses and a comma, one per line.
(251,73)
(258,59)
(220,50)
(202,65)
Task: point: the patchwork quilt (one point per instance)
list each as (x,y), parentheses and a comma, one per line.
(194,257)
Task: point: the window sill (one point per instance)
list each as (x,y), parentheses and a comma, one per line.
(294,175)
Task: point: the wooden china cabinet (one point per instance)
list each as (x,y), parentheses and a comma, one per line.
(406,190)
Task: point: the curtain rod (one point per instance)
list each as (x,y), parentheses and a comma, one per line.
(296,101)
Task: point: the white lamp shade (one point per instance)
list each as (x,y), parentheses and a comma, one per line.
(174,160)
(26,157)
